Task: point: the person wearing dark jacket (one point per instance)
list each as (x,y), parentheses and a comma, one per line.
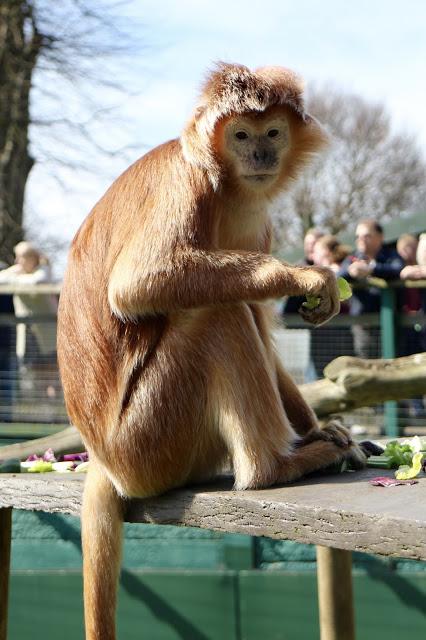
(371,259)
(326,343)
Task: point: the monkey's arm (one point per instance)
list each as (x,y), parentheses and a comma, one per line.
(194,278)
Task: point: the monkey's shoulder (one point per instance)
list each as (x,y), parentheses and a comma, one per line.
(162,180)
(164,167)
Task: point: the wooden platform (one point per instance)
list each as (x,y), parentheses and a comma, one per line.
(342,511)
(338,513)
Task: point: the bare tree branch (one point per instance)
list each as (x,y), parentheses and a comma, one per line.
(64,68)
(368,171)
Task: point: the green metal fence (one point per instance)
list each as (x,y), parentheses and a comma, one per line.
(306,351)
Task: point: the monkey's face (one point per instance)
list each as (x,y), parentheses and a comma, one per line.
(254,145)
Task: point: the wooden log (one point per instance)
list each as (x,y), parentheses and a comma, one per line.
(66,441)
(5,541)
(335,598)
(351,383)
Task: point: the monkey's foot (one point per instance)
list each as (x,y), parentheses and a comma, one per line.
(333,431)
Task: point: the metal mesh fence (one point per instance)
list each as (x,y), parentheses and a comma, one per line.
(30,389)
(305,352)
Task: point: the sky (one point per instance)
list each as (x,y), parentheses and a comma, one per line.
(375,48)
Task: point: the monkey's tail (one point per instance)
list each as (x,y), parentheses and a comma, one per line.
(102,524)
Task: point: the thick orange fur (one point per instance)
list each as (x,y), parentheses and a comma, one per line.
(163,338)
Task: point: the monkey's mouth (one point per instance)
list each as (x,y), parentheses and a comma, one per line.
(260,177)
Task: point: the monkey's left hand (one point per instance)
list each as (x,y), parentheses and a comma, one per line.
(324,287)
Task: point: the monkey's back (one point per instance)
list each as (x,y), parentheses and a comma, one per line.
(97,351)
(86,332)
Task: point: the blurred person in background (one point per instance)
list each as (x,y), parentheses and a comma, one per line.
(35,343)
(326,343)
(329,252)
(421,255)
(370,259)
(311,236)
(412,338)
(330,342)
(406,246)
(292,304)
(411,297)
(416,270)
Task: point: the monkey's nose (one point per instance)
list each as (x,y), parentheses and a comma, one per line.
(260,155)
(263,158)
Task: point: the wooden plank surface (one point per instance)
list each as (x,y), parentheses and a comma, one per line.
(342,511)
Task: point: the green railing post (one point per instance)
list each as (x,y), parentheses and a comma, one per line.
(387,331)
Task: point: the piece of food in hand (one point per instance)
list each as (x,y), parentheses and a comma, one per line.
(345,292)
(311,302)
(406,472)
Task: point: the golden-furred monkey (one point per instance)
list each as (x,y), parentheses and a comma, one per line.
(163,340)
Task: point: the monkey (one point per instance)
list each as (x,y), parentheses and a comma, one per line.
(164,341)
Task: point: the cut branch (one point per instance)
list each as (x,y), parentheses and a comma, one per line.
(66,441)
(351,383)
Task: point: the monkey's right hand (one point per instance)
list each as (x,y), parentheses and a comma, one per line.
(321,283)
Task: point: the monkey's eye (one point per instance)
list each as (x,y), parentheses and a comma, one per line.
(241,135)
(272,133)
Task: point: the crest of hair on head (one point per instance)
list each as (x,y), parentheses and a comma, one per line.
(235,89)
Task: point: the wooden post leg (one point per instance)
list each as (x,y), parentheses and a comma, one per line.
(334,571)
(5,540)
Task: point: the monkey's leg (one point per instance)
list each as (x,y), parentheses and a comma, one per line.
(304,420)
(244,399)
(102,516)
(319,454)
(251,416)
(300,414)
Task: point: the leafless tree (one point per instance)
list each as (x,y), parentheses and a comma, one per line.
(62,70)
(368,171)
